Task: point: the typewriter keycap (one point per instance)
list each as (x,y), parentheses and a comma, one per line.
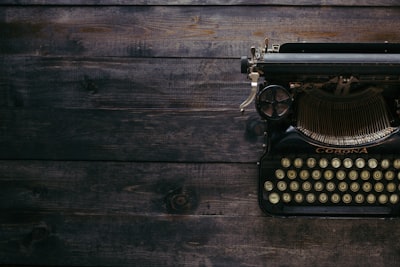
(281,186)
(298,162)
(365,175)
(371,198)
(316,174)
(285,162)
(298,198)
(294,186)
(367,187)
(323,198)
(304,174)
(359,198)
(385,163)
(394,199)
(383,199)
(279,174)
(353,175)
(378,187)
(348,163)
(347,198)
(286,197)
(311,162)
(389,175)
(330,186)
(328,175)
(274,198)
(335,198)
(360,163)
(318,186)
(340,175)
(342,186)
(335,163)
(306,186)
(354,187)
(323,163)
(391,187)
(310,198)
(377,175)
(396,164)
(291,174)
(372,163)
(268,186)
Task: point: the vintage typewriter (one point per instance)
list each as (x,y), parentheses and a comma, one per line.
(331,114)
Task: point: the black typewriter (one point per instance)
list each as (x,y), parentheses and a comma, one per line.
(331,114)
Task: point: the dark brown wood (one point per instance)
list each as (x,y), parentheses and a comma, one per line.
(143,189)
(123,135)
(206,2)
(207,31)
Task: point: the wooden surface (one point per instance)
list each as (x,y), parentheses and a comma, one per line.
(121,142)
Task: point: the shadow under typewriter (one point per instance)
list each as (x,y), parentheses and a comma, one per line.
(332,133)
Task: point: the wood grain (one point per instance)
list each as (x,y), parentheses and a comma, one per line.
(208,31)
(148,135)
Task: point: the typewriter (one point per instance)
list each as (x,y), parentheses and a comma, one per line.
(331,114)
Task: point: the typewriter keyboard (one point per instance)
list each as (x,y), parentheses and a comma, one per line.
(332,181)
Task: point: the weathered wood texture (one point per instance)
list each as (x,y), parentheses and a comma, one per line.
(122,144)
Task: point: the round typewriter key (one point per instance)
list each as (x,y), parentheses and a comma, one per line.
(323,198)
(394,199)
(371,198)
(365,175)
(343,186)
(359,198)
(378,187)
(281,186)
(335,198)
(306,186)
(323,163)
(346,198)
(366,187)
(396,163)
(328,175)
(383,199)
(268,186)
(354,187)
(279,174)
(353,175)
(372,163)
(316,174)
(273,198)
(347,163)
(377,175)
(294,186)
(291,174)
(310,198)
(385,163)
(318,186)
(311,162)
(330,186)
(286,197)
(360,163)
(304,174)
(298,162)
(389,175)
(391,187)
(285,162)
(335,162)
(340,175)
(298,198)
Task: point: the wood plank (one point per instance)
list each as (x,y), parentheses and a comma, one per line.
(178,31)
(206,2)
(121,83)
(128,135)
(93,240)
(113,188)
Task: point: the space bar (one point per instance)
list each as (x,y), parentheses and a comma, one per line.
(337,210)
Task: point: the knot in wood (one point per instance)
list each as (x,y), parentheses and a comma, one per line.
(181,201)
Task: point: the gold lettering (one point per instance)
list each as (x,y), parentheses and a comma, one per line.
(341,151)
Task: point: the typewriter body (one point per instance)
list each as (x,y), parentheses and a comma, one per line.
(331,114)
